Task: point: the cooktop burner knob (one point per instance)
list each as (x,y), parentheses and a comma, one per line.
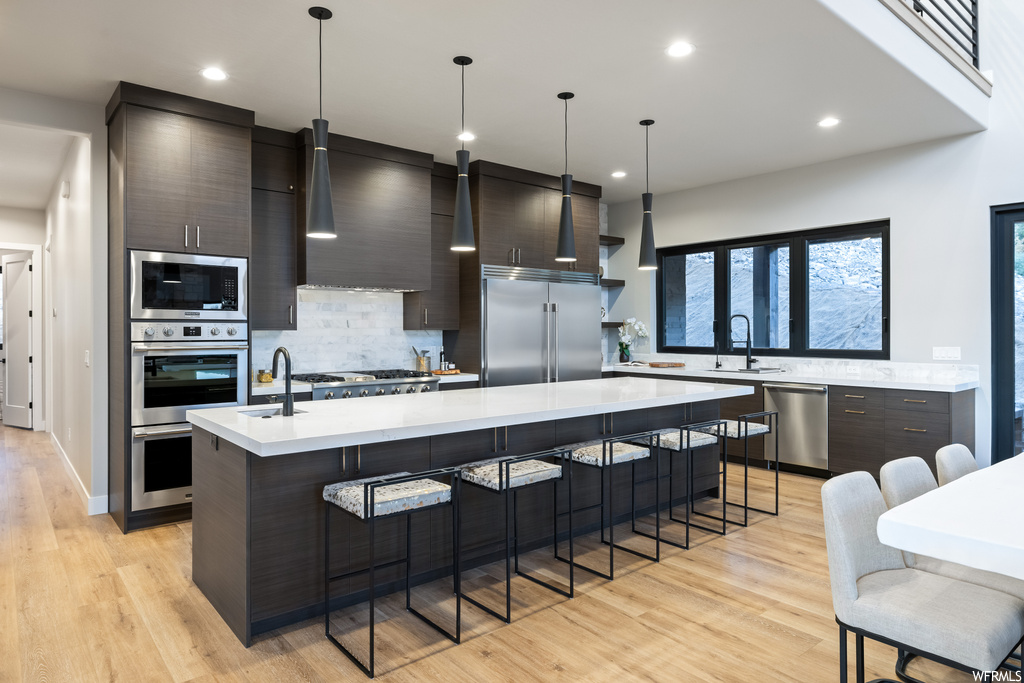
(364,392)
(411,390)
(168,331)
(380,392)
(329,395)
(396,390)
(214,331)
(426,388)
(346,394)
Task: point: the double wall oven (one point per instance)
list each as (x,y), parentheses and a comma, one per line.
(189,349)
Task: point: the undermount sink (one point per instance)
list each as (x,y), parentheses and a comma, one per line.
(753,371)
(266,412)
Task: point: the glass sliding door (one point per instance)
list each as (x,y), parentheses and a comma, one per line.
(1007,330)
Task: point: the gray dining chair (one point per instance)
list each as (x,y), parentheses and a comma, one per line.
(875,595)
(954,461)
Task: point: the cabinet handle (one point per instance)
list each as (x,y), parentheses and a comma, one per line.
(343,452)
(519,256)
(290,311)
(603,418)
(495,449)
(197,237)
(359,458)
(511,256)
(853,396)
(186,237)
(914,400)
(506,437)
(856,412)
(908,429)
(424,317)
(611,420)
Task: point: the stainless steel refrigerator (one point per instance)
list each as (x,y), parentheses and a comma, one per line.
(539,326)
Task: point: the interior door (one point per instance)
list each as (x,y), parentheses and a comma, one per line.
(576,331)
(514,332)
(17,339)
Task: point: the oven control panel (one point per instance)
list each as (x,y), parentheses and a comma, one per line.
(189,331)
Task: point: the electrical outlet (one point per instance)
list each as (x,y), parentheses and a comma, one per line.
(87,358)
(853,371)
(945,353)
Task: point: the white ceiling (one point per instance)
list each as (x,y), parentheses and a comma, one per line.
(30,159)
(746,102)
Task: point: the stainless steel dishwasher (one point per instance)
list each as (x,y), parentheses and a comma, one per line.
(803,423)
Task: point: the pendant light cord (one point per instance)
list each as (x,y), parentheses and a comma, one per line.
(320,22)
(463,131)
(647,164)
(566,136)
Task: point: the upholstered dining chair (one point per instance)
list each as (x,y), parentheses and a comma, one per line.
(954,461)
(875,595)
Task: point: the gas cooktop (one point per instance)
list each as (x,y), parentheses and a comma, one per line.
(377,376)
(396,374)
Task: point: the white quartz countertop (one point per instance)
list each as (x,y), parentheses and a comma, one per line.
(277,386)
(952,383)
(334,424)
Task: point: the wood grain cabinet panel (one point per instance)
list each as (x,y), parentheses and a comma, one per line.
(494,202)
(273,167)
(272,270)
(436,308)
(917,401)
(221,178)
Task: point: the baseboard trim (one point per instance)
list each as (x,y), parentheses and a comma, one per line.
(94,505)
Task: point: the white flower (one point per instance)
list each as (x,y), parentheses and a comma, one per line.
(630,320)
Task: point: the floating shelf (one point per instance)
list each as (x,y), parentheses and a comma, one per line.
(608,282)
(609,326)
(611,240)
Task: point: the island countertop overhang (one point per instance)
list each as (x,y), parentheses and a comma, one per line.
(337,424)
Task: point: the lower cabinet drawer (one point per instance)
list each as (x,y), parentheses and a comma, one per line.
(855,442)
(917,401)
(909,433)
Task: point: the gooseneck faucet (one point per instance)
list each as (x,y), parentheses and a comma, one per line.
(288,406)
(750,361)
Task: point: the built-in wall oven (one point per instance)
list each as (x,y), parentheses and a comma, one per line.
(178,366)
(168,286)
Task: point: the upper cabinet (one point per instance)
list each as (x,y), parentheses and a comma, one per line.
(438,307)
(381,196)
(186,183)
(516,216)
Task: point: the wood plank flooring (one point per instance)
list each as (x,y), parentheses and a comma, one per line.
(79,601)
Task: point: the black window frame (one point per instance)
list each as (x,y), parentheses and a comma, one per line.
(799,329)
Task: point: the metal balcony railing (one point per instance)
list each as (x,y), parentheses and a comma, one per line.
(957,19)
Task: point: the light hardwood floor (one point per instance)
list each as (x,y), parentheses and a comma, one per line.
(79,601)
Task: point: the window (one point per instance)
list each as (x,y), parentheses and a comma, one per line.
(811,293)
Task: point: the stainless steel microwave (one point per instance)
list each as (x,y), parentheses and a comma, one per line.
(187,286)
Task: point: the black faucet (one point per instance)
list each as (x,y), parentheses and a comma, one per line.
(750,361)
(288,405)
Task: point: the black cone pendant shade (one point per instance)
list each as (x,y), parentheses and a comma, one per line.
(320,213)
(462,226)
(648,255)
(566,249)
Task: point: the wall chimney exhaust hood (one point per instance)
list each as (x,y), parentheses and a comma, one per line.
(381,200)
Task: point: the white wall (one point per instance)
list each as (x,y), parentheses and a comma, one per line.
(25,226)
(70,315)
(87,283)
(937,196)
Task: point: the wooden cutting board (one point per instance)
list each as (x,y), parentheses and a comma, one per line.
(657,364)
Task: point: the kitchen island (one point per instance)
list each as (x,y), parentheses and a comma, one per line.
(257,515)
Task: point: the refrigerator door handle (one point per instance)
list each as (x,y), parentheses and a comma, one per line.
(547,351)
(554,324)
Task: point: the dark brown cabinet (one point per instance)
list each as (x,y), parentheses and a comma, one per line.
(856,429)
(186,184)
(436,308)
(381,197)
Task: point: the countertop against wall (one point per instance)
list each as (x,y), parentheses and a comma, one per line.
(277,386)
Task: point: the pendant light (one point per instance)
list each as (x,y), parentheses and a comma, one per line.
(320,215)
(566,250)
(462,226)
(648,256)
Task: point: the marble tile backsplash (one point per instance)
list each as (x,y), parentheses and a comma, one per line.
(346,330)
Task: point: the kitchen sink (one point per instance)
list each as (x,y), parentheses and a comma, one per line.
(266,412)
(753,371)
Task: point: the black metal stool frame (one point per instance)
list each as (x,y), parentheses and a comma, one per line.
(716,428)
(369,507)
(512,520)
(652,438)
(688,451)
(773,417)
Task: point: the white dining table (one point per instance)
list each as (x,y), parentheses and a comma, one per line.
(976,520)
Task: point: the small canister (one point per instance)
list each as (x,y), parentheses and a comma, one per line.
(264,376)
(423,363)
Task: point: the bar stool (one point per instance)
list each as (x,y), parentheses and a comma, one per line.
(684,440)
(378,497)
(513,474)
(743,429)
(604,455)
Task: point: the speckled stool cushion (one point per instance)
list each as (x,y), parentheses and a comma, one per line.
(390,498)
(487,472)
(592,452)
(734,429)
(669,439)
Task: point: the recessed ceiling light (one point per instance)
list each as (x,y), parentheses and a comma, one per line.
(619,174)
(828,122)
(466,136)
(213,73)
(679,49)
